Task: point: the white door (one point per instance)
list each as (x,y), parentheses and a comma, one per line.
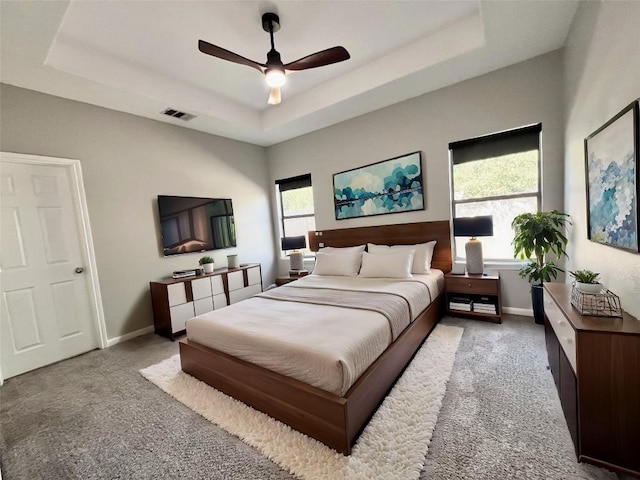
(47,312)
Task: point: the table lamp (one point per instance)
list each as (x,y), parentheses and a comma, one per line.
(296,256)
(481,226)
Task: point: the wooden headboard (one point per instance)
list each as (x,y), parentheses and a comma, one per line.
(399,234)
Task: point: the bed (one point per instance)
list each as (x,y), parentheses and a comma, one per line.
(336,412)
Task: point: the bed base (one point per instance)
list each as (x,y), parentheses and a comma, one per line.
(331,419)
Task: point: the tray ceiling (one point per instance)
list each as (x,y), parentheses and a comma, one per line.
(142,57)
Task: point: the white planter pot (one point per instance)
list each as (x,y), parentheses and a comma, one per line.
(591,288)
(232,261)
(208,267)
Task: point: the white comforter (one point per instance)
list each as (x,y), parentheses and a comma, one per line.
(328,347)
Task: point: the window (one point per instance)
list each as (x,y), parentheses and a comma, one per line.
(497,175)
(295,199)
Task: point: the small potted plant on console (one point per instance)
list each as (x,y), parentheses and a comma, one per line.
(207,264)
(587,281)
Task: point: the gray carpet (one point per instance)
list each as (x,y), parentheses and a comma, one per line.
(95,416)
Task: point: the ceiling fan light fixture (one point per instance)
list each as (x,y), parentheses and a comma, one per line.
(275,77)
(274,96)
(274,70)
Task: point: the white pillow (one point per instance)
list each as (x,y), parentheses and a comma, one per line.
(342,264)
(341,250)
(388,265)
(422,256)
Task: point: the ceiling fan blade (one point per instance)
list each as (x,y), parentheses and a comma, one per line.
(274,96)
(224,54)
(319,59)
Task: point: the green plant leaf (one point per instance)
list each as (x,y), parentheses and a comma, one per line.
(585,276)
(535,235)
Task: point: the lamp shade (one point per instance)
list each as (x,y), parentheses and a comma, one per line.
(481,226)
(294,243)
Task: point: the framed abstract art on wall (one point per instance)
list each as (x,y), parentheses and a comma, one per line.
(389,186)
(612,175)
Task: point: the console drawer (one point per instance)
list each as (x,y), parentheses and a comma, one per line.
(563,330)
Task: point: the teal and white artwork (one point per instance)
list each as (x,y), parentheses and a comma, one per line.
(612,172)
(389,186)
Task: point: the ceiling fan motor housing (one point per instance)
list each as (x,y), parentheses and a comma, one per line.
(270,22)
(274,60)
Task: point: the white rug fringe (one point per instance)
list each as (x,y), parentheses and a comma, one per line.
(392,446)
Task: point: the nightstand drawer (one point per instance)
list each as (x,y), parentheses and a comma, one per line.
(479,286)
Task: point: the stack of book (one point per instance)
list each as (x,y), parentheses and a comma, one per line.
(485,305)
(183,273)
(464,304)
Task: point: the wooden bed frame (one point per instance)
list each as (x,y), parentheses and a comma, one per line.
(333,420)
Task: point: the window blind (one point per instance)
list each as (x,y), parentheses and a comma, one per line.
(292,183)
(496,144)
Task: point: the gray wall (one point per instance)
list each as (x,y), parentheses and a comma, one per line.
(602,76)
(126,162)
(526,93)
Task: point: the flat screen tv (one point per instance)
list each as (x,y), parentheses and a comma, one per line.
(194,224)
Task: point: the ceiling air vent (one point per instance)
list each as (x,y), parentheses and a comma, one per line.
(177,114)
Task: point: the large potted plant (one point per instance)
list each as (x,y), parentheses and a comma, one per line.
(537,234)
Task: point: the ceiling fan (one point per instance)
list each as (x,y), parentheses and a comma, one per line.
(274,70)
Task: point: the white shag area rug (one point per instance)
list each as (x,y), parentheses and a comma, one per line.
(392,446)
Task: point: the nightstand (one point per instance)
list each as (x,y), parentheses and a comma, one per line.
(474,296)
(293,276)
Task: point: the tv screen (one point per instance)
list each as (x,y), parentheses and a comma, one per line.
(193,224)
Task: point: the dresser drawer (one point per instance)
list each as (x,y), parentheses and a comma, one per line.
(219,301)
(201,288)
(563,330)
(179,315)
(236,280)
(204,305)
(216,285)
(177,294)
(480,286)
(244,293)
(253,276)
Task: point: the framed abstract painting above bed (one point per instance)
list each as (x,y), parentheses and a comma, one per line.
(389,186)
(612,173)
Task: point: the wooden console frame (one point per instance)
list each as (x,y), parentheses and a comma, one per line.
(333,420)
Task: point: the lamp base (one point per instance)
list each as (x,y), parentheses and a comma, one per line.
(475,262)
(296,260)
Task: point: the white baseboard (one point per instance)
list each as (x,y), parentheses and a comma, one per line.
(525,312)
(128,336)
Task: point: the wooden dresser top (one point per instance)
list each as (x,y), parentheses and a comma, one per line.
(218,271)
(561,294)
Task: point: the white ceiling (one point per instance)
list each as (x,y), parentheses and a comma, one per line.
(141,57)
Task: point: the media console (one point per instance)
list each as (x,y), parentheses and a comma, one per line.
(174,301)
(595,362)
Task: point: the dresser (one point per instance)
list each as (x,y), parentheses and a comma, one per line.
(595,362)
(174,301)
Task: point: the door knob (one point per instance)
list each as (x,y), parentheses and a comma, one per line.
(79,270)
